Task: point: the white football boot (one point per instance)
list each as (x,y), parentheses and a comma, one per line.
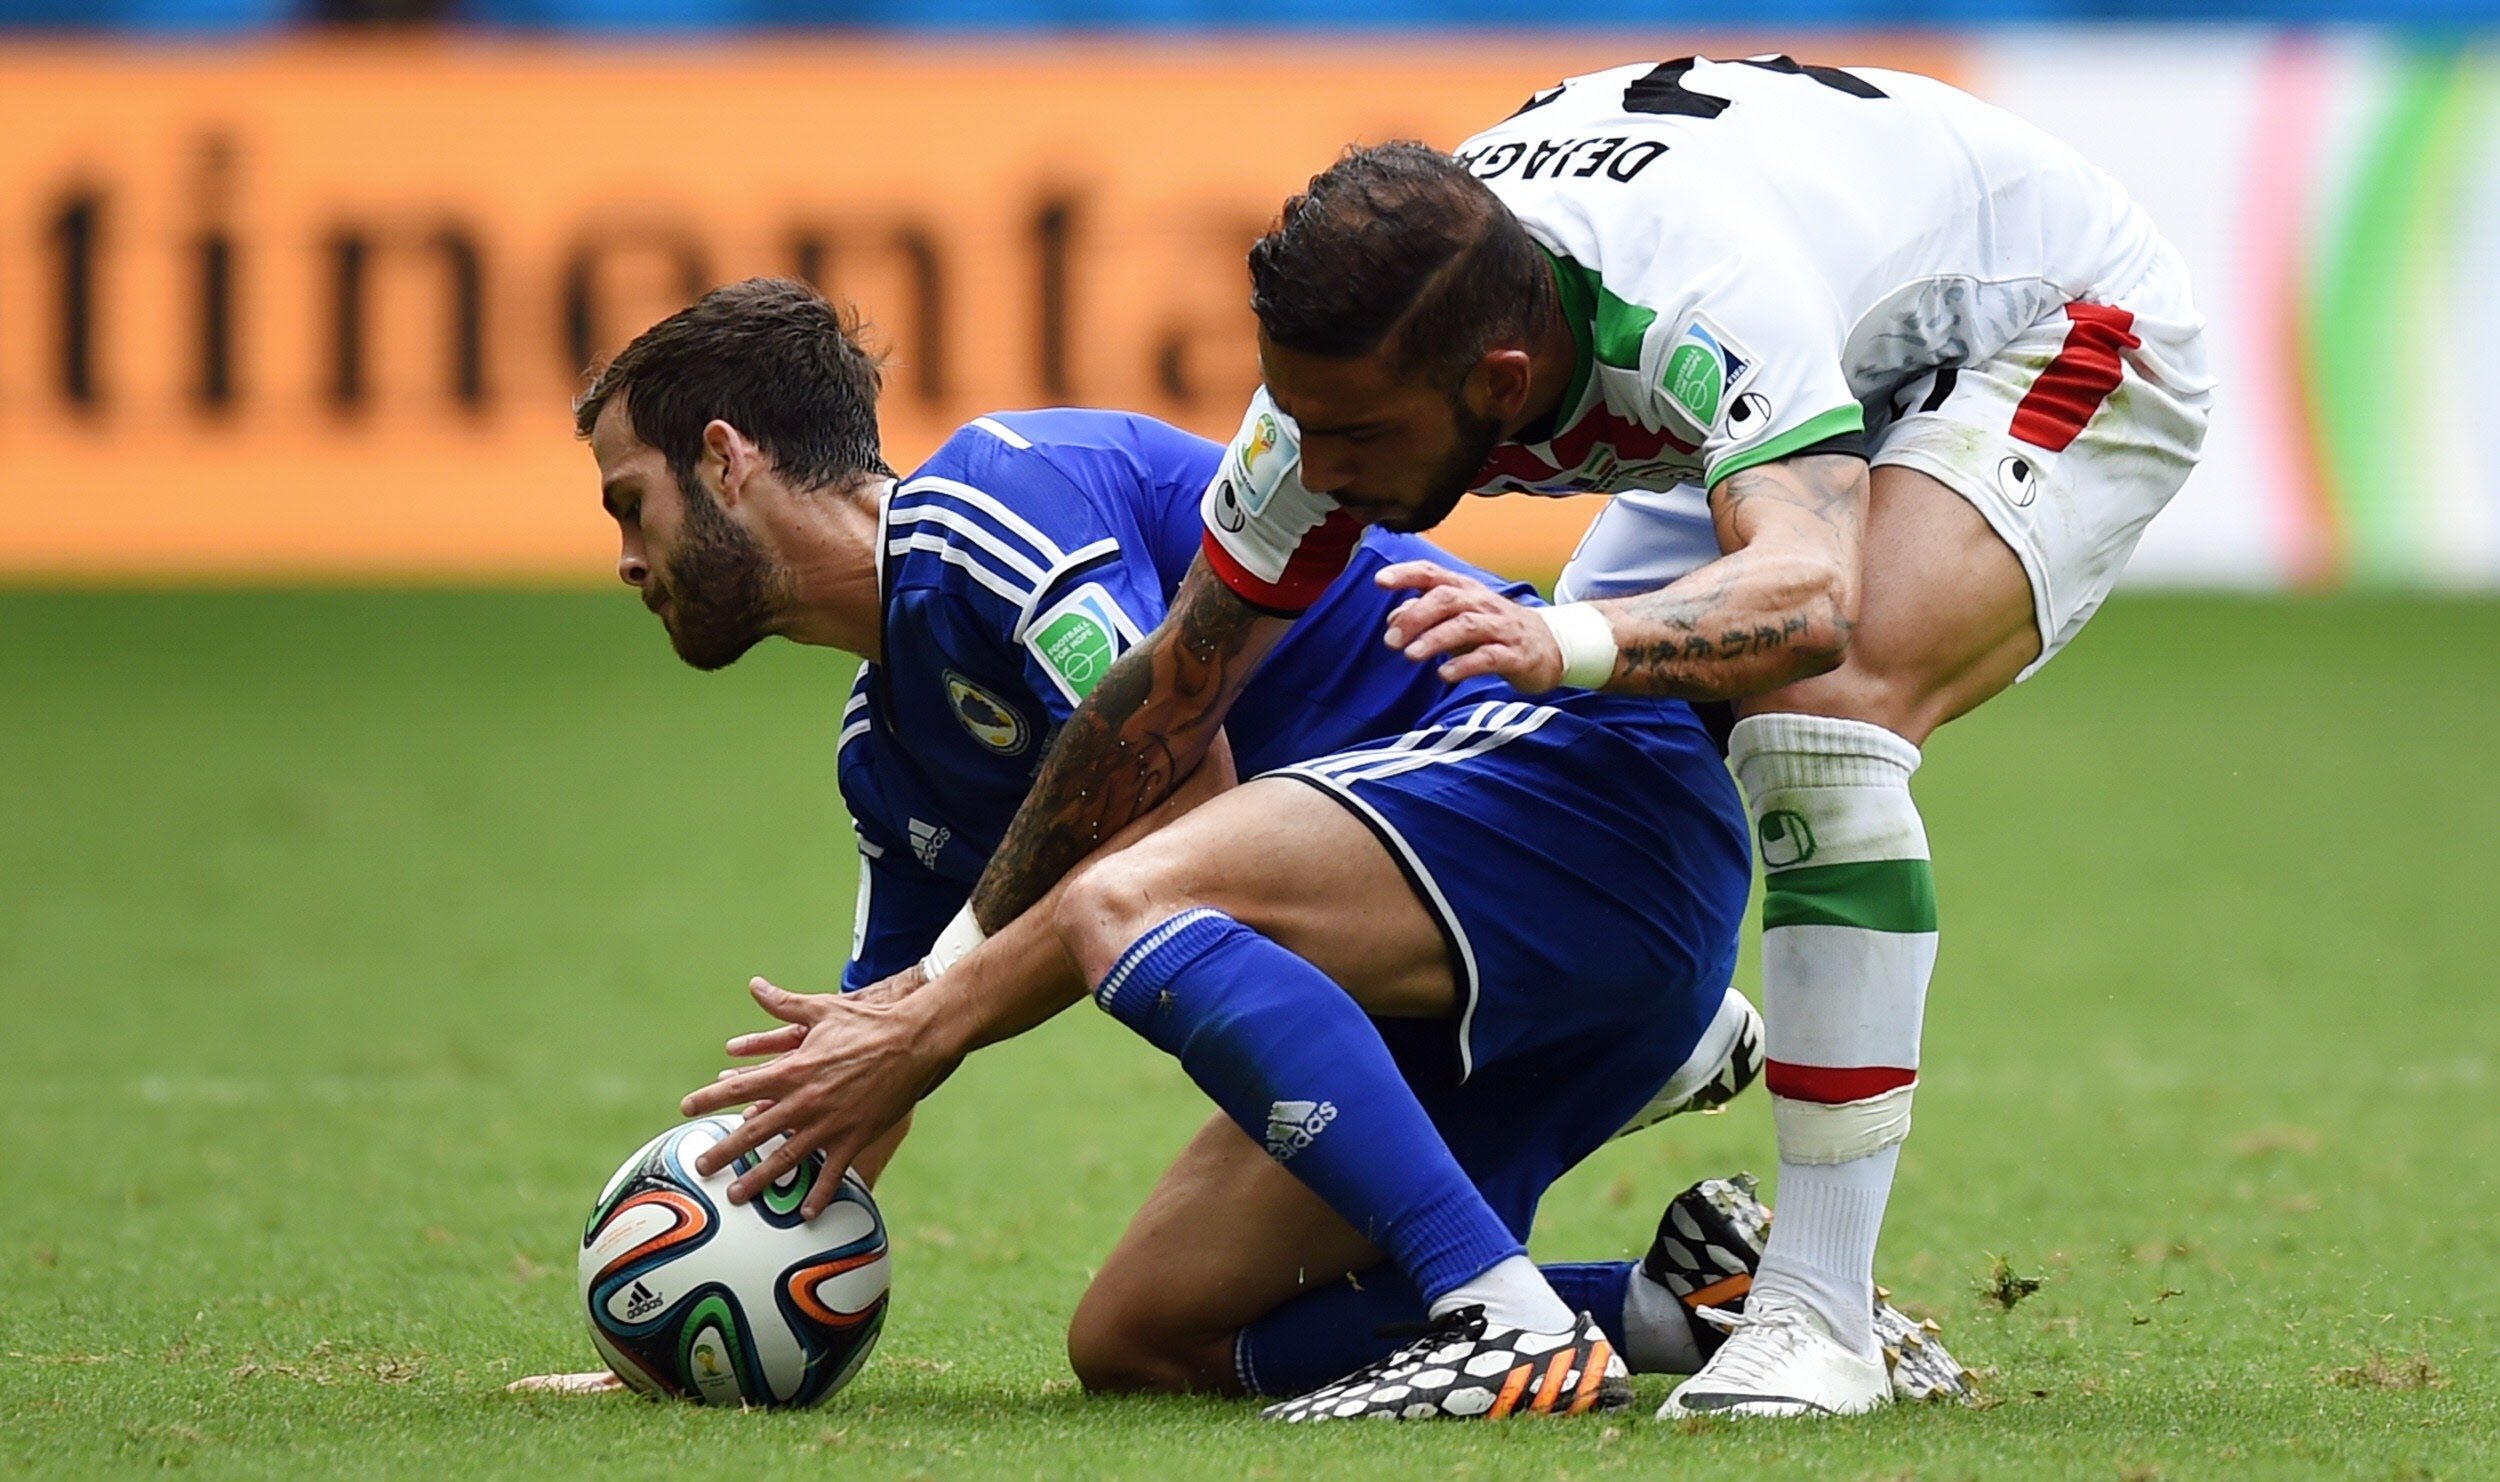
(1781,1361)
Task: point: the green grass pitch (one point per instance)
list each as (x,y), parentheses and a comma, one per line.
(347,940)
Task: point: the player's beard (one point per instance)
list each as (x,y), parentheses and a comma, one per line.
(1449,481)
(719,588)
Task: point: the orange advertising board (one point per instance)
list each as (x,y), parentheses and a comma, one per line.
(319,310)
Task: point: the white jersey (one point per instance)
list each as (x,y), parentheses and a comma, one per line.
(1756,249)
(1754,256)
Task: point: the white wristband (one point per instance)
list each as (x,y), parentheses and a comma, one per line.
(953,944)
(1587,641)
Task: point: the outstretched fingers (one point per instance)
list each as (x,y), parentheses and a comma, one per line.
(767,1042)
(773,1165)
(735,1087)
(791,1008)
(838,1161)
(751,1132)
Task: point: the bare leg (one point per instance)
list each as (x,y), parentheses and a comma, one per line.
(1849,912)
(1944,624)
(1227,1237)
(1229,1234)
(1287,861)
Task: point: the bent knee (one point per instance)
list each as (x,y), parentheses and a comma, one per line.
(1113,1353)
(1112,902)
(1902,698)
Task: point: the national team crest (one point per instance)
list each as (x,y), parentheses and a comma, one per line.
(992,721)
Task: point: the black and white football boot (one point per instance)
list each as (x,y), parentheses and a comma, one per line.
(1921,1369)
(1728,1059)
(1465,1368)
(1708,1246)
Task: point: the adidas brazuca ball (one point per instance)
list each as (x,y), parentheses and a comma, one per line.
(694,1297)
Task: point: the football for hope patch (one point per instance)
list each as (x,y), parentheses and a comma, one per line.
(1076,638)
(1704,371)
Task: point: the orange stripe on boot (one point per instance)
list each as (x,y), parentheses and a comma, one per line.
(1554,1372)
(1512,1388)
(1601,1354)
(1718,1292)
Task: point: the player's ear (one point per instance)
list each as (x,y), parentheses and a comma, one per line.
(730,459)
(1498,386)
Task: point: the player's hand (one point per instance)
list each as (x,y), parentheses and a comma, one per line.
(901,985)
(1472,628)
(783,1040)
(846,1068)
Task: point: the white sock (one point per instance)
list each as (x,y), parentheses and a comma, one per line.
(1657,1329)
(1848,943)
(1829,1217)
(1514,1294)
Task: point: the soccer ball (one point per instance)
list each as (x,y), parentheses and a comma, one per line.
(693,1297)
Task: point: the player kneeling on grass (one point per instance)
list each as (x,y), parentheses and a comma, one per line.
(1438,950)
(1419,966)
(1888,383)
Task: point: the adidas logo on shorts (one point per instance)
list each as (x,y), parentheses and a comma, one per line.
(1295,1125)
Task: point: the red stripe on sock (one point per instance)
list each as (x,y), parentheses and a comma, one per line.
(2087,369)
(1833,1084)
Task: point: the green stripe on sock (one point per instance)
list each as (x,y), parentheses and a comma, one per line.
(1878,895)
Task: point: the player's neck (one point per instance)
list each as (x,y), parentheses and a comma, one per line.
(830,556)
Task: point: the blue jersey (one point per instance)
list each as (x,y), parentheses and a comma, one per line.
(1014,566)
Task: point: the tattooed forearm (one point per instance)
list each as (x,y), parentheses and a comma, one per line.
(1778,607)
(1145,727)
(1094,764)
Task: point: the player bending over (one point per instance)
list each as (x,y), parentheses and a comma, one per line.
(1427,967)
(1935,373)
(1890,382)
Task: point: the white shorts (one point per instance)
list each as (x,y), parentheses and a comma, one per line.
(2068,440)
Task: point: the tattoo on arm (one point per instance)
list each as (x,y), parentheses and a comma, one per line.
(1144,728)
(1780,605)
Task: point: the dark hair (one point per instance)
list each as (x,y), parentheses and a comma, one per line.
(767,356)
(1397,246)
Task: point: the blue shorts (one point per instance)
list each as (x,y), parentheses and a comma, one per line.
(1587,859)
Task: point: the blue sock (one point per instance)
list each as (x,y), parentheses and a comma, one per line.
(1324,1335)
(1596,1288)
(1301,1068)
